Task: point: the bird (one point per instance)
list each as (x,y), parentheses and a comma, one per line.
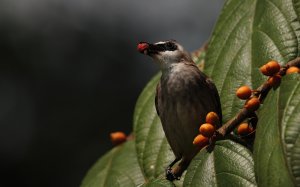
(184,95)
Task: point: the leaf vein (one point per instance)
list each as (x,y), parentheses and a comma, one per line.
(235,175)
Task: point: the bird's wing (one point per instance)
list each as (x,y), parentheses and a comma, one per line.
(157,97)
(208,88)
(216,97)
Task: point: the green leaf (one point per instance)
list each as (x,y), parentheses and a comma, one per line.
(228,60)
(276,35)
(296,4)
(153,151)
(278,135)
(248,34)
(276,31)
(229,164)
(159,183)
(118,167)
(289,106)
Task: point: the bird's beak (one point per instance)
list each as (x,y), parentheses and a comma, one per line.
(147,48)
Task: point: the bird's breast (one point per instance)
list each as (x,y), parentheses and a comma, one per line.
(180,79)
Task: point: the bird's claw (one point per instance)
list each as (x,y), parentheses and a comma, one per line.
(170,175)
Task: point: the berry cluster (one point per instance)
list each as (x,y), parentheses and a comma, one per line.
(253,98)
(245,93)
(207,130)
(252,104)
(271,69)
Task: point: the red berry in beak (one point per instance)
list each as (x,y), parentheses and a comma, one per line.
(142,47)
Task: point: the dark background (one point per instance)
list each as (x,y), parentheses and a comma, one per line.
(70,74)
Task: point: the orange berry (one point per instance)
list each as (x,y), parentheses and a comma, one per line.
(244,129)
(207,130)
(292,69)
(252,104)
(244,92)
(212,118)
(200,140)
(263,70)
(273,67)
(270,68)
(275,80)
(117,137)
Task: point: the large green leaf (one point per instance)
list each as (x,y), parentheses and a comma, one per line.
(276,35)
(153,150)
(248,34)
(118,167)
(228,60)
(229,164)
(277,144)
(289,106)
(158,183)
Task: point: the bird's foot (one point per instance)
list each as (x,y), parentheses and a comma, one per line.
(170,175)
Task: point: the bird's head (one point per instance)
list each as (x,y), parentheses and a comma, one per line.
(165,53)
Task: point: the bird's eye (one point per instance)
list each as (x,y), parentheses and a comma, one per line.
(170,46)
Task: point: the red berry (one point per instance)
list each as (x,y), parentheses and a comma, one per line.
(142,47)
